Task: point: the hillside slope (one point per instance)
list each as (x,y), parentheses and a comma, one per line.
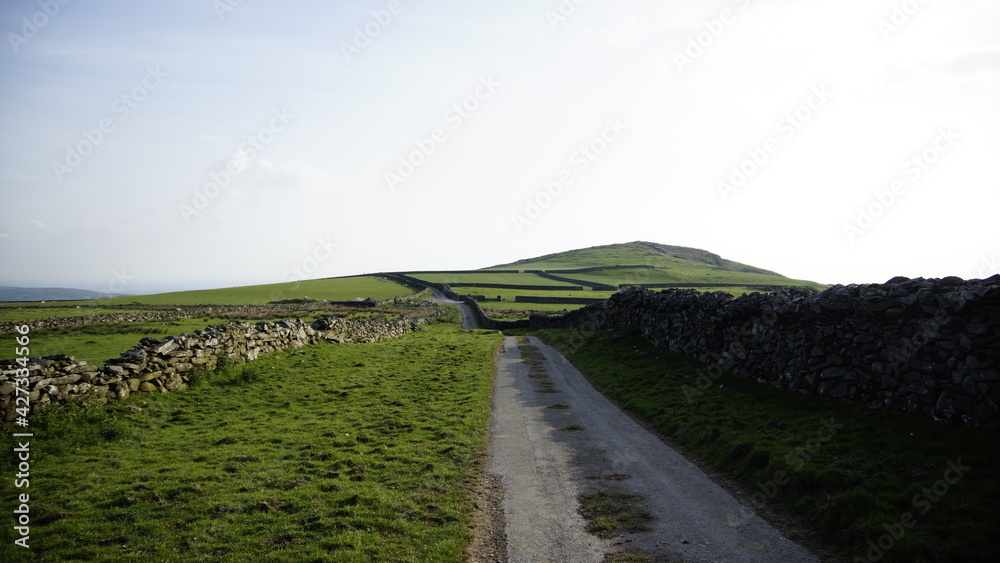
(633,253)
(46,294)
(664,264)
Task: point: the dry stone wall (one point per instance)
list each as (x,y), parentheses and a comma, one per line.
(162,365)
(487,322)
(556,300)
(929,347)
(275,310)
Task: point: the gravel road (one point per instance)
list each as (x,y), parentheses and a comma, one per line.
(543,459)
(546,458)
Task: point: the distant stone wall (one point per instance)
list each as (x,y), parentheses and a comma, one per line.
(757,286)
(162,365)
(520,286)
(600,268)
(459,272)
(487,322)
(595,286)
(275,310)
(422,293)
(927,347)
(556,300)
(108,318)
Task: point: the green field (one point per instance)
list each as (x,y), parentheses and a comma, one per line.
(333,289)
(521,310)
(361,452)
(677,265)
(508,294)
(841,470)
(472,277)
(632,253)
(95,344)
(688,275)
(13,312)
(102,341)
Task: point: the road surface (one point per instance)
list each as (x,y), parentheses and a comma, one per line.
(542,459)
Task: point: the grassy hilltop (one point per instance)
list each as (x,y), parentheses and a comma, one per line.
(600,268)
(675,264)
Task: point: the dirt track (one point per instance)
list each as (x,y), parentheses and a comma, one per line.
(546,458)
(543,459)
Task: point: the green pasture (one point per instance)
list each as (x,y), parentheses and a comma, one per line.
(333,289)
(677,265)
(473,277)
(337,452)
(693,275)
(34,312)
(96,343)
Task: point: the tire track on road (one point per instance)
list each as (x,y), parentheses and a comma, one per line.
(545,466)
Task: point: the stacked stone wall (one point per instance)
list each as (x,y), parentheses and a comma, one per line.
(187,312)
(163,365)
(927,347)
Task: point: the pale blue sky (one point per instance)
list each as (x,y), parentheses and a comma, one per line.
(670,96)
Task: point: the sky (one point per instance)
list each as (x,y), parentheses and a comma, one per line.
(157,146)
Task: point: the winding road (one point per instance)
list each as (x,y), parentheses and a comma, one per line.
(554,438)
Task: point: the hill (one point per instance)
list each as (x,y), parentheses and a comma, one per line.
(597,271)
(633,253)
(47,294)
(652,264)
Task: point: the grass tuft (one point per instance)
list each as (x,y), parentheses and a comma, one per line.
(609,513)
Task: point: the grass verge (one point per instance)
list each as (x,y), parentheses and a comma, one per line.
(610,513)
(889,487)
(364,452)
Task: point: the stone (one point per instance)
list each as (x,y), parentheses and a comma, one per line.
(166,347)
(985,375)
(834,372)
